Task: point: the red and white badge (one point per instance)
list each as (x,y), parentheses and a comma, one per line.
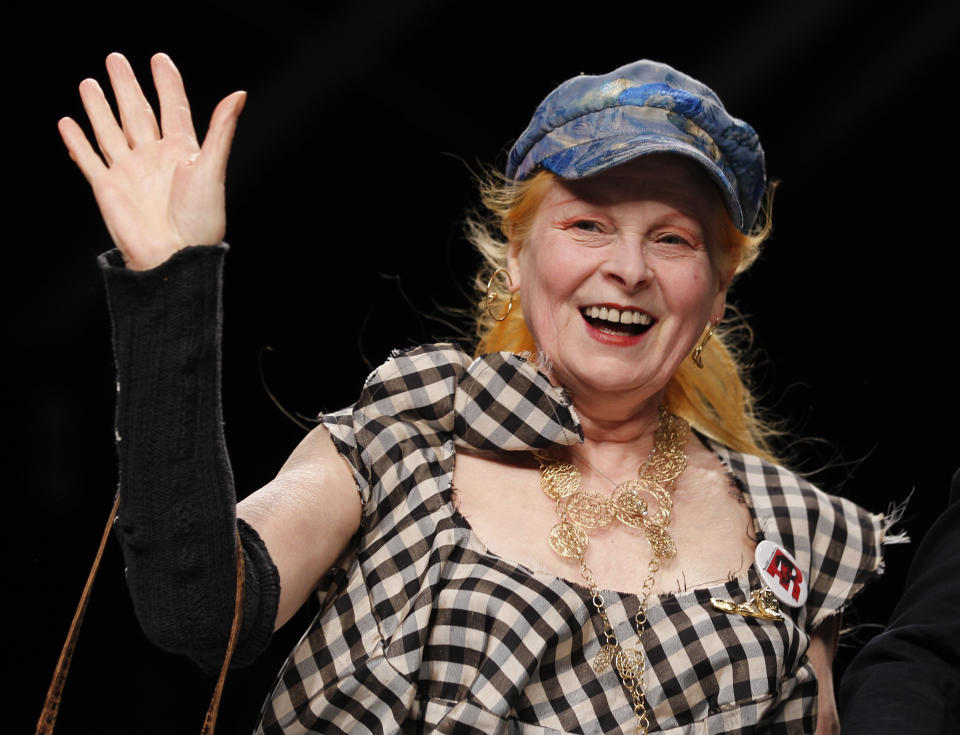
(781,573)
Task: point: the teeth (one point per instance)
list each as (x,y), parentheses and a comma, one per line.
(626,316)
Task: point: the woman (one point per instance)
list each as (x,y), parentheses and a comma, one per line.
(468,585)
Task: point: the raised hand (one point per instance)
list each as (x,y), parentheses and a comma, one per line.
(157,188)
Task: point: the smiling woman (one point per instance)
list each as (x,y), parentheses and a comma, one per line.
(577,530)
(717,401)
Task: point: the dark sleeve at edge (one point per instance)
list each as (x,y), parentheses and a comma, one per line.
(177,521)
(907,679)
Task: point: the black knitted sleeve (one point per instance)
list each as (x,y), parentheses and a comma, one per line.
(177,520)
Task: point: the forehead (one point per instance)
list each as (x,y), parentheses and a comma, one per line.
(674,180)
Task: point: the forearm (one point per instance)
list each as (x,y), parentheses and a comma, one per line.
(177,518)
(822,650)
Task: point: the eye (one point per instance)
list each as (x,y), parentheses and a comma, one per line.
(587,225)
(675,238)
(587,230)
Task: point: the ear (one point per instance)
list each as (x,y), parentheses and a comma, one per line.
(723,258)
(719,306)
(727,270)
(514,250)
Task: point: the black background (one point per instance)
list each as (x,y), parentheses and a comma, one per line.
(347,184)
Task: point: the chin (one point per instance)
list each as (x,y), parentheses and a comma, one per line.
(603,377)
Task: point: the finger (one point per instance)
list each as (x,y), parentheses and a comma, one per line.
(109,136)
(175,118)
(80,150)
(223,123)
(136,115)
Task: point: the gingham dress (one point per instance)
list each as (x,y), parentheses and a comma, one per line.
(424,630)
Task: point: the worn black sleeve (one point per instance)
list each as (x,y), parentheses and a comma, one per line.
(177,520)
(907,679)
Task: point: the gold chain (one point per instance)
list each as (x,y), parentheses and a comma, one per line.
(580,510)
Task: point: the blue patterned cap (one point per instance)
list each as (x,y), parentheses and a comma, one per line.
(592,123)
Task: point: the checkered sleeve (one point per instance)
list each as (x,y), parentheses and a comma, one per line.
(496,411)
(434,392)
(835,541)
(845,551)
(413,389)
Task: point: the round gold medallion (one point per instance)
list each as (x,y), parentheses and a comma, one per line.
(629,508)
(569,540)
(559,480)
(667,467)
(589,510)
(660,541)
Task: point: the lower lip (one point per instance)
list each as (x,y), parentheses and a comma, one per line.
(615,340)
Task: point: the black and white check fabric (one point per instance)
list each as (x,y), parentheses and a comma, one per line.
(424,630)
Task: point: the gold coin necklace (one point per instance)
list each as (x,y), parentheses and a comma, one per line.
(581,510)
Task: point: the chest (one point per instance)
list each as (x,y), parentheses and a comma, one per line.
(711,525)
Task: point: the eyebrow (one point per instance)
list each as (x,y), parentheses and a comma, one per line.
(684,214)
(678,213)
(567,201)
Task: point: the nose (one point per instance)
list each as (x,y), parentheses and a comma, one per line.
(628,265)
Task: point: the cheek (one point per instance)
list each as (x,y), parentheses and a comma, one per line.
(553,281)
(549,282)
(696,289)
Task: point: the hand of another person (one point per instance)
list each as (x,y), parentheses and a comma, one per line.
(158,189)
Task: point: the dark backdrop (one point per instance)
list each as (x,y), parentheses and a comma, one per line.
(350,173)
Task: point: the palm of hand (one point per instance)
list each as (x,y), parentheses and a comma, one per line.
(156,200)
(157,194)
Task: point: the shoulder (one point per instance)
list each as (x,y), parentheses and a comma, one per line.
(835,541)
(417,375)
(497,401)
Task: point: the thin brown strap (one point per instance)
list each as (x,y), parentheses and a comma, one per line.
(48,716)
(210,721)
(51,706)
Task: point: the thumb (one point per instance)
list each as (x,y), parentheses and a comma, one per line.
(223,123)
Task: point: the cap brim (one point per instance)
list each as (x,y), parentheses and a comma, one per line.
(597,156)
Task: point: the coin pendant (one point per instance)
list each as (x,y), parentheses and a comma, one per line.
(665,467)
(590,510)
(568,540)
(559,480)
(660,541)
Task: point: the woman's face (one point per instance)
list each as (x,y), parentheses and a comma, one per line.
(620,274)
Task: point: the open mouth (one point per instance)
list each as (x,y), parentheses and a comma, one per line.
(617,321)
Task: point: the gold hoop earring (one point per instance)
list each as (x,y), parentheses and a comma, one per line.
(697,355)
(487,301)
